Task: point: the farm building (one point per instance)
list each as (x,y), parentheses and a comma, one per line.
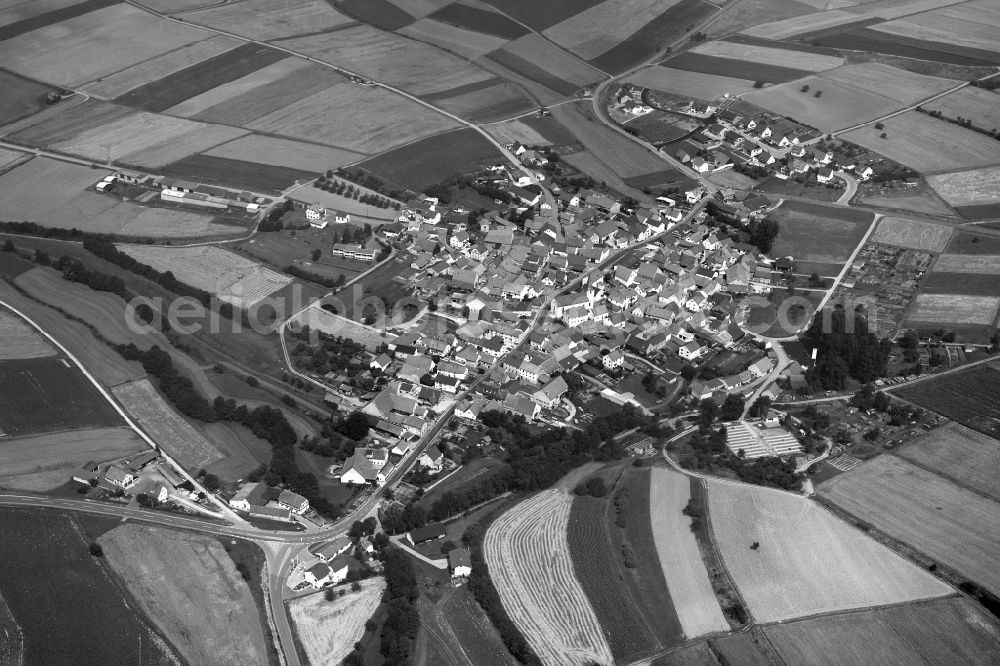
(293,502)
(331,549)
(322,574)
(425,534)
(366,466)
(459,562)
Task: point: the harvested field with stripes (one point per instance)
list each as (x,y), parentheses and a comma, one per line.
(680,558)
(19,340)
(944,631)
(148,71)
(963,188)
(331,117)
(264,20)
(528,555)
(915,234)
(328,630)
(418,68)
(967,457)
(42,462)
(949,524)
(81,49)
(596,566)
(807,561)
(945,309)
(167,428)
(231,277)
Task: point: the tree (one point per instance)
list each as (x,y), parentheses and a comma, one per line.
(815,281)
(804,88)
(330,595)
(95,549)
(211,483)
(355,426)
(763,233)
(316,254)
(732,408)
(252,381)
(427,380)
(760,407)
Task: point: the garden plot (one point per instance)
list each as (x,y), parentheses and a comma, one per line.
(807,561)
(81,49)
(231,277)
(528,555)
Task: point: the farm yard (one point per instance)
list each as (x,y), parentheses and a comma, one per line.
(229,276)
(595,563)
(964,456)
(953,630)
(428,161)
(949,524)
(528,555)
(327,631)
(19,340)
(170,573)
(913,234)
(40,395)
(94,44)
(40,463)
(923,143)
(970,397)
(176,436)
(698,85)
(808,561)
(330,117)
(687,579)
(821,236)
(48,576)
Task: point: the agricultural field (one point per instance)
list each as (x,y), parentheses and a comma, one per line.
(328,630)
(17,19)
(981,264)
(897,84)
(380,13)
(689,84)
(165,426)
(529,559)
(808,561)
(190,588)
(93,45)
(596,565)
(980,107)
(147,71)
(105,132)
(458,633)
(970,397)
(964,456)
(483,102)
(540,18)
(600,28)
(274,151)
(105,364)
(42,395)
(967,190)
(966,284)
(250,174)
(466,43)
(818,234)
(808,23)
(48,577)
(971,243)
(268,21)
(921,199)
(949,524)
(680,559)
(943,309)
(232,278)
(711,65)
(532,48)
(479,20)
(755,12)
(767,55)
(418,68)
(43,462)
(22,97)
(19,340)
(517,131)
(923,143)
(330,117)
(954,630)
(972,28)
(430,160)
(9,158)
(914,234)
(332,201)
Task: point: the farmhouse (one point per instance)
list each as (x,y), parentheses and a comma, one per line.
(431,459)
(366,466)
(322,574)
(460,562)
(293,502)
(331,549)
(425,534)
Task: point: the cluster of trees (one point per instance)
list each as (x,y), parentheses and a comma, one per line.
(961,122)
(75,271)
(334,353)
(272,221)
(345,189)
(107,251)
(592,487)
(33,229)
(267,423)
(763,233)
(328,282)
(402,623)
(845,348)
(576,183)
(366,180)
(352,234)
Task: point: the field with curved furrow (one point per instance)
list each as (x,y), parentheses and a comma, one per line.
(527,552)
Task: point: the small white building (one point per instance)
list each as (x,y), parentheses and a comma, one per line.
(460,562)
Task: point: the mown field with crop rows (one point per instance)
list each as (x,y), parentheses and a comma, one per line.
(529,559)
(964,456)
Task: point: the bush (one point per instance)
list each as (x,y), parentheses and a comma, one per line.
(594,487)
